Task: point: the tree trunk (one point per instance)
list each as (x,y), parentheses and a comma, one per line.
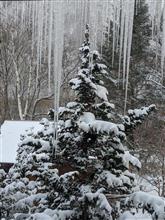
(28,95)
(18,81)
(18,84)
(163,178)
(6,103)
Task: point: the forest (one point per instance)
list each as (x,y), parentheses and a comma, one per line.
(92,74)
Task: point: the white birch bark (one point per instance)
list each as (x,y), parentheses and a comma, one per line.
(18,83)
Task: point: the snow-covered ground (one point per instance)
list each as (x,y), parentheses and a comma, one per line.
(10,137)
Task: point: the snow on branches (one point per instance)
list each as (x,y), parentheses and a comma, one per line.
(91,158)
(136,116)
(155,205)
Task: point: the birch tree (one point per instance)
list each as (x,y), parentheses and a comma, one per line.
(18,72)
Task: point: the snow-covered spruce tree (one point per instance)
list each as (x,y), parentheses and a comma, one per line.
(91,160)
(2,178)
(92,143)
(29,180)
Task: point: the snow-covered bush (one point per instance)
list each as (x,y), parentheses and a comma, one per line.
(155,205)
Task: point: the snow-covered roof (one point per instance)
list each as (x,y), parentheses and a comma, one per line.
(10,137)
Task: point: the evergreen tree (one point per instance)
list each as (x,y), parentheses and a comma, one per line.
(28,181)
(91,160)
(92,142)
(2,178)
(143,65)
(141,62)
(141,31)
